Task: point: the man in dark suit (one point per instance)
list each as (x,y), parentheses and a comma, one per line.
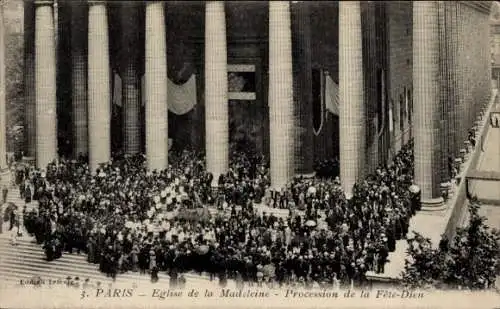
(5,192)
(12,219)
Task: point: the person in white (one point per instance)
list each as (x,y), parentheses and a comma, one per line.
(14,235)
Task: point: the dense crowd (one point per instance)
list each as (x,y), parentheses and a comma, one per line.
(126,218)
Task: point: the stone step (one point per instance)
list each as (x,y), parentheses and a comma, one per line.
(30,272)
(15,272)
(41,265)
(48,270)
(27,260)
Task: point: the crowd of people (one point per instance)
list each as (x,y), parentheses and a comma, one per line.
(126,218)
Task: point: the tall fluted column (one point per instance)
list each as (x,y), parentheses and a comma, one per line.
(3,109)
(45,84)
(352,105)
(302,88)
(99,110)
(462,99)
(370,83)
(467,76)
(130,78)
(29,79)
(156,87)
(79,24)
(454,117)
(444,98)
(426,74)
(281,112)
(216,101)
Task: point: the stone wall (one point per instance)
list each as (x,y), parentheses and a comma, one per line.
(400,29)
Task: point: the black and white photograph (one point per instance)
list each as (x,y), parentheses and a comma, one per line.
(249,154)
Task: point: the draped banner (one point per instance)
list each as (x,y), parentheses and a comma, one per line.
(331,95)
(117,90)
(319,101)
(181,98)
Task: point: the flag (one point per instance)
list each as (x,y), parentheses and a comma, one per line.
(331,95)
(180,98)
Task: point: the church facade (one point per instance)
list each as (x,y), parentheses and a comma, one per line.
(296,81)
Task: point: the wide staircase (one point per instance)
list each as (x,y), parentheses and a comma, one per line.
(26,260)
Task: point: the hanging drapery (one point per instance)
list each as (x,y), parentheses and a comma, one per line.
(181,98)
(321,78)
(331,95)
(117,90)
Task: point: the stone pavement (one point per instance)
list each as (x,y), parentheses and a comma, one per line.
(490,189)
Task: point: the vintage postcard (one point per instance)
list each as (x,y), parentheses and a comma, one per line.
(253,154)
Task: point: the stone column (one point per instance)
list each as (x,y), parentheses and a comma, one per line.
(444,98)
(45,84)
(468,80)
(79,24)
(29,79)
(371,88)
(462,100)
(453,79)
(156,87)
(216,102)
(99,97)
(352,105)
(302,88)
(3,109)
(281,112)
(131,83)
(426,74)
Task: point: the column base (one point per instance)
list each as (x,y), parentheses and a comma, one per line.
(435,204)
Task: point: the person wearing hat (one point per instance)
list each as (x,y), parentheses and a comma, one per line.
(27,193)
(91,246)
(153,267)
(383,253)
(5,192)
